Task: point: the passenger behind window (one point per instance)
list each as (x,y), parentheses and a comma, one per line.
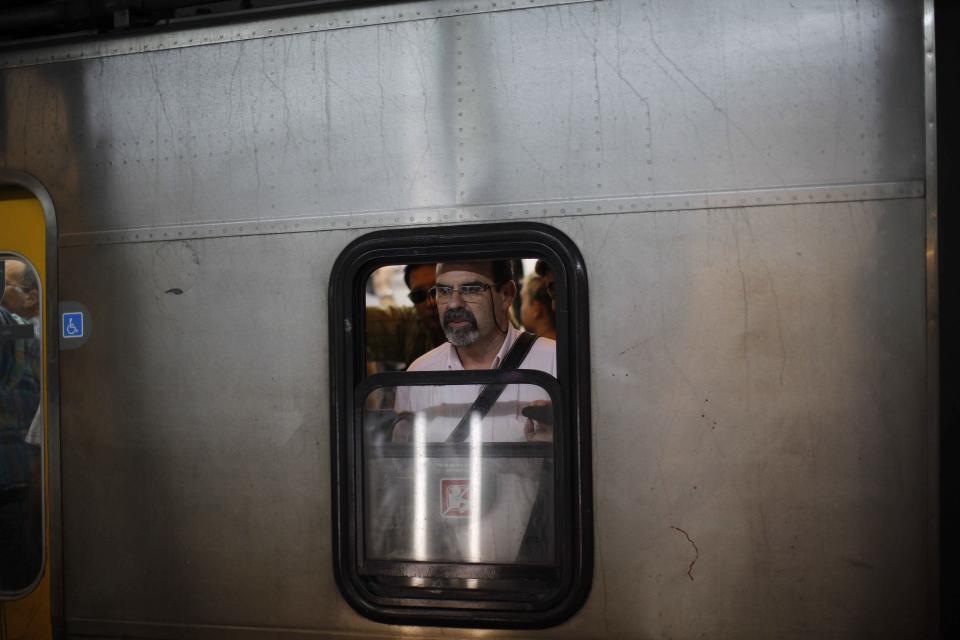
(544,270)
(536,312)
(399,335)
(512,521)
(473,299)
(20,550)
(21,296)
(21,293)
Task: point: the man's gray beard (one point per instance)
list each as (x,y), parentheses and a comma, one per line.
(463,337)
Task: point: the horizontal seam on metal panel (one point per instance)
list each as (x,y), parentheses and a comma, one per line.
(747,198)
(319,22)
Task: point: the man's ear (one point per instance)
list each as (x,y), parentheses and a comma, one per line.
(33,298)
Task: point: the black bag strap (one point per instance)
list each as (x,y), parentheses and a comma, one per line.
(490,392)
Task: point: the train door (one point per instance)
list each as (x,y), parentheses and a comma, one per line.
(25,594)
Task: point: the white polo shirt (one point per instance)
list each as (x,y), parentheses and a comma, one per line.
(442,407)
(475,510)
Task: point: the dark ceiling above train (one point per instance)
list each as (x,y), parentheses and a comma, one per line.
(32,22)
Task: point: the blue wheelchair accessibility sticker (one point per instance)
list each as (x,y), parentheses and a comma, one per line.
(72,325)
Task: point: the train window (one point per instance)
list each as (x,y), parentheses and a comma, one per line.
(21,427)
(461,441)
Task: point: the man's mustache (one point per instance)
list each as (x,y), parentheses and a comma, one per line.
(459,315)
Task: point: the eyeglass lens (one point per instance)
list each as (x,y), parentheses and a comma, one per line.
(468,292)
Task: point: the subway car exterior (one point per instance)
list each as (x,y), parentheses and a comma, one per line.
(739,199)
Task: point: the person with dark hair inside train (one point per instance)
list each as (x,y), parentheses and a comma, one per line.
(543,269)
(19,376)
(21,292)
(19,461)
(536,311)
(21,297)
(402,334)
(473,299)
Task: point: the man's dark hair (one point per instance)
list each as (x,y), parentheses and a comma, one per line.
(542,268)
(537,286)
(408,270)
(502,271)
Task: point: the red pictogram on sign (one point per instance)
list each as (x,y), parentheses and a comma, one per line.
(455,497)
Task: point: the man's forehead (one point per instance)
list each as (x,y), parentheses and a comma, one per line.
(13,267)
(11,276)
(464,271)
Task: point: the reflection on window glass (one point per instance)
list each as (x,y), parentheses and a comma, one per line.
(21,427)
(445,483)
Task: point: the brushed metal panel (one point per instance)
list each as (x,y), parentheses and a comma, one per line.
(324,122)
(647,97)
(759,385)
(195,434)
(192,33)
(579,101)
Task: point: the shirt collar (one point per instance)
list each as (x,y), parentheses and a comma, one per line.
(453,360)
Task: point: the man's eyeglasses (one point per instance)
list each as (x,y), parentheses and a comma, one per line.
(420,295)
(468,292)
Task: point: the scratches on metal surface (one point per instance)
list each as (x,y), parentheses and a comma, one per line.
(255,29)
(603,582)
(696,550)
(728,121)
(617,69)
(773,294)
(750,277)
(745,300)
(666,327)
(515,122)
(634,347)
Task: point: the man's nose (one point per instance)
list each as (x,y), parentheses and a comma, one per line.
(456,300)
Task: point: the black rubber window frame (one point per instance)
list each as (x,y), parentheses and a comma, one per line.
(434,603)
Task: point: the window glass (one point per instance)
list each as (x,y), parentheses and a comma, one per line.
(487,498)
(21,426)
(403,323)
